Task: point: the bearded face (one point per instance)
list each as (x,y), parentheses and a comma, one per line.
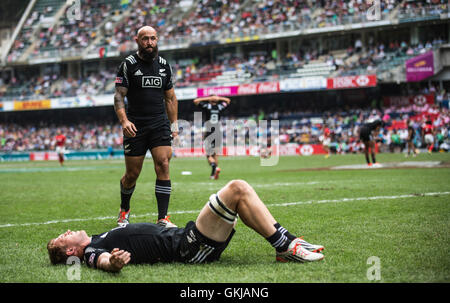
(147,41)
(148,52)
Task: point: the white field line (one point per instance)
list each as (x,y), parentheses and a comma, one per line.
(268,205)
(214,184)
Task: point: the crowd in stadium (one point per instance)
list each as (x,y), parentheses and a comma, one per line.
(294,128)
(203,72)
(86,136)
(208,20)
(215,19)
(212,18)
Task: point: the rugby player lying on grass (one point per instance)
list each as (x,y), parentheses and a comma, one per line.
(199,242)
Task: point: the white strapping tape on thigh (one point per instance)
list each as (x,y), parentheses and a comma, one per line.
(221,210)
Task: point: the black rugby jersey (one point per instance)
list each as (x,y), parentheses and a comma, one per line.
(146,242)
(213,112)
(146,83)
(371,125)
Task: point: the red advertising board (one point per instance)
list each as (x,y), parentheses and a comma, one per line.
(290,149)
(268,87)
(217,90)
(419,100)
(258,88)
(43,156)
(352,81)
(244,89)
(248,89)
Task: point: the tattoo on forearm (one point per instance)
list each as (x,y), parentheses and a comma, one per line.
(119,97)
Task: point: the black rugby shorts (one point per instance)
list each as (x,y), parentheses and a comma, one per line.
(196,248)
(365,134)
(147,138)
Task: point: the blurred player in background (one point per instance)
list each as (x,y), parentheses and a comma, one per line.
(428,133)
(326,140)
(149,123)
(60,140)
(213,106)
(410,139)
(199,242)
(367,135)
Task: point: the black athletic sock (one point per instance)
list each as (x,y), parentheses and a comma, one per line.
(367,159)
(284,231)
(125,196)
(279,241)
(373,158)
(213,166)
(163,189)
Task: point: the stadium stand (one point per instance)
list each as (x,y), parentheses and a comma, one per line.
(226,43)
(296,127)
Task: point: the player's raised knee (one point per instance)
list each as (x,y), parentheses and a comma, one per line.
(239,187)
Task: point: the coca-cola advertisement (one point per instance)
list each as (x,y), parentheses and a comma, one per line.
(268,87)
(244,89)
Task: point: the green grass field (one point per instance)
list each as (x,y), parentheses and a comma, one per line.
(400,215)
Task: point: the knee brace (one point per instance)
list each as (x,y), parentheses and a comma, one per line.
(221,210)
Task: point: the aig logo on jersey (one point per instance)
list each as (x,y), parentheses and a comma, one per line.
(151,82)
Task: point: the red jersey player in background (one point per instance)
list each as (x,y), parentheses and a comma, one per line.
(428,133)
(326,140)
(60,142)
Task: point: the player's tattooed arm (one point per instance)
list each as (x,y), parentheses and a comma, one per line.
(119,98)
(129,129)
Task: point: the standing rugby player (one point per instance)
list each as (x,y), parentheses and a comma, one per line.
(213,106)
(428,133)
(368,133)
(60,143)
(148,122)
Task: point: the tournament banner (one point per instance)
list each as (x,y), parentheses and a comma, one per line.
(186,93)
(72,102)
(305,83)
(352,81)
(419,100)
(217,90)
(420,67)
(32,105)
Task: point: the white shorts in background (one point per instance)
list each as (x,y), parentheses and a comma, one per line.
(60,150)
(429,139)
